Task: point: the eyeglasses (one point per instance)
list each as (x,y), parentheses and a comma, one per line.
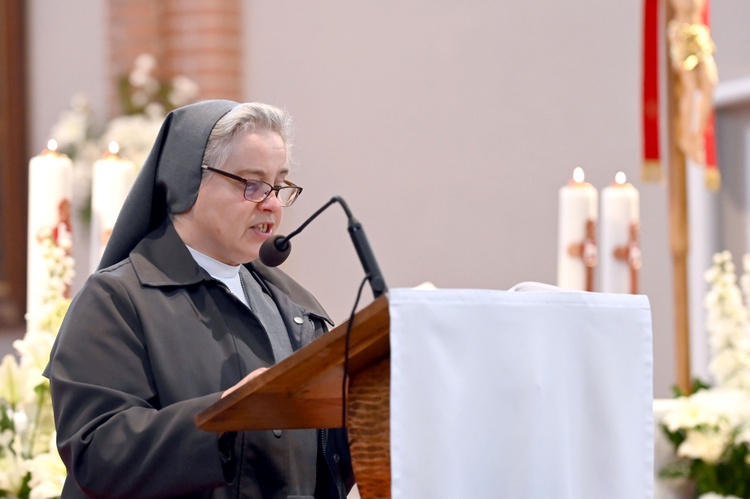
(257,191)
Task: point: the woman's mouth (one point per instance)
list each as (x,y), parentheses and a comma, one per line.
(262,228)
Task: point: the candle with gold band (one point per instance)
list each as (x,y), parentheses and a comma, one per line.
(50,193)
(111,181)
(577,249)
(620,246)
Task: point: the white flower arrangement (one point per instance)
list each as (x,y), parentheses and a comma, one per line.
(30,466)
(728,320)
(134,133)
(145,102)
(710,428)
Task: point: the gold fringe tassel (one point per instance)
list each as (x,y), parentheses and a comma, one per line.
(652,171)
(713,179)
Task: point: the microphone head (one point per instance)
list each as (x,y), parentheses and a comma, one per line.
(274,251)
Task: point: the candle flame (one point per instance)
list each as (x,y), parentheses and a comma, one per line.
(114,147)
(578,175)
(620,178)
(52,145)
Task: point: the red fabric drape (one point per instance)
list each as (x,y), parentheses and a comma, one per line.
(652,168)
(713,178)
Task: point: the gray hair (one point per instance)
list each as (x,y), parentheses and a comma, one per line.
(246,118)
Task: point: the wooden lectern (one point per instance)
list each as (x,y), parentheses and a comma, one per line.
(488,388)
(305,391)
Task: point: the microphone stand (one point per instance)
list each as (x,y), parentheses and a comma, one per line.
(359,239)
(364,251)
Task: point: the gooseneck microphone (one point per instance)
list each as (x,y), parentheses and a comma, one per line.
(274,251)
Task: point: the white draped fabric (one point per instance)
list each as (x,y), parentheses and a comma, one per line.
(521,395)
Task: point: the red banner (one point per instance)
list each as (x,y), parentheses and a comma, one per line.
(651,170)
(713,177)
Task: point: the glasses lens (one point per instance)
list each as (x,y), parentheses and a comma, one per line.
(256,191)
(287,195)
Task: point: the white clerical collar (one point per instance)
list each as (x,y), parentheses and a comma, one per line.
(214,267)
(228,274)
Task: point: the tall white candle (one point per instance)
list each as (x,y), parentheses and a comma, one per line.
(111,181)
(576,247)
(50,193)
(620,248)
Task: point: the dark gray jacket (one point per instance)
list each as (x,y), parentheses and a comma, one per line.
(146,345)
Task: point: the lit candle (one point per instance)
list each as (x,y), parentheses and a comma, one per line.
(111,181)
(620,248)
(577,248)
(50,193)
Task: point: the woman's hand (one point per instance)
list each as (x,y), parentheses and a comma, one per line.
(245,380)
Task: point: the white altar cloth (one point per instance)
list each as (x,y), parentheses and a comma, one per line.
(520,395)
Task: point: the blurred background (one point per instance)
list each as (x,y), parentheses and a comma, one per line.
(448,127)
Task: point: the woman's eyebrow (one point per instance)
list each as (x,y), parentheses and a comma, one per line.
(260,173)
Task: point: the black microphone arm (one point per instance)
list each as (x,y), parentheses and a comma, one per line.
(274,251)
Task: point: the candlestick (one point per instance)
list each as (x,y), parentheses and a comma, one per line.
(50,193)
(112,178)
(577,249)
(620,247)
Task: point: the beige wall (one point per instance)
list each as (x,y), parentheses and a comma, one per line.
(447,126)
(67,55)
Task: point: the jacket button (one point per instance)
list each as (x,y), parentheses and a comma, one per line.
(336,458)
(298,320)
(277,433)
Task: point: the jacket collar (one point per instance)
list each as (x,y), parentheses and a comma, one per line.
(281,285)
(162,259)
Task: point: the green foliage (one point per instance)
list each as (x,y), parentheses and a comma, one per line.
(25,490)
(695,386)
(729,477)
(130,105)
(5,422)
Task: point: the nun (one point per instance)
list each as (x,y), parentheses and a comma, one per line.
(180,313)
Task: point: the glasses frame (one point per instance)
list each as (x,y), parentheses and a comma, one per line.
(289,185)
